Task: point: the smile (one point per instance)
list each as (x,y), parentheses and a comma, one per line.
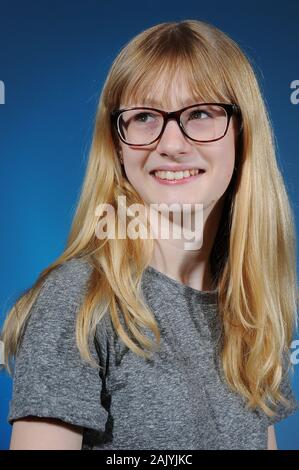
(177,177)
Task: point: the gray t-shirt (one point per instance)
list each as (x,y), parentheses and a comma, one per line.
(176,400)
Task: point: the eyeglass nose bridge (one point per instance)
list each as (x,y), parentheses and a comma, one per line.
(167,116)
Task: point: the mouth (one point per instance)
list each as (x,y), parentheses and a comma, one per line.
(176,177)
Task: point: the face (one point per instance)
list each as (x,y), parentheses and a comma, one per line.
(216,158)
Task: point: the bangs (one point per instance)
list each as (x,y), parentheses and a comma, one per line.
(186,80)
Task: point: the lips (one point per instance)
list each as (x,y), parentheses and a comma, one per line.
(176,168)
(182,177)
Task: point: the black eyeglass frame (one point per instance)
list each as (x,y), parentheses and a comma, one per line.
(230,108)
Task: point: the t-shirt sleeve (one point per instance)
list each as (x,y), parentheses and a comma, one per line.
(281,409)
(50,378)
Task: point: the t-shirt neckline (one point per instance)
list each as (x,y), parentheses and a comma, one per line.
(210,296)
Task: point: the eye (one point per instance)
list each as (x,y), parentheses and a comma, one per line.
(195,114)
(141,117)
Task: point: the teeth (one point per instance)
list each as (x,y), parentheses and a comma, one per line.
(176,175)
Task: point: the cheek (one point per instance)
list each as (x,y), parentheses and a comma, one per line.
(132,167)
(133,171)
(228,171)
(223,168)
(222,176)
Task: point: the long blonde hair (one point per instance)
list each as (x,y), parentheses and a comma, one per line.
(253,257)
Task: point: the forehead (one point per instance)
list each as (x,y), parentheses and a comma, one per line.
(173,102)
(168,93)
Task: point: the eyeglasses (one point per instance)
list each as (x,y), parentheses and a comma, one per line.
(203,122)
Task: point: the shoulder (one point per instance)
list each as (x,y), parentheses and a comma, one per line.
(58,300)
(67,282)
(51,321)
(74,271)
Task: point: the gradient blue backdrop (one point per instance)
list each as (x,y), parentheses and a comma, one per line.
(54,57)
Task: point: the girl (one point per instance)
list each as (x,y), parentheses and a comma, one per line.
(141,342)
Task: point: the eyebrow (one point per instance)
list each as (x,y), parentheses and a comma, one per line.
(157,104)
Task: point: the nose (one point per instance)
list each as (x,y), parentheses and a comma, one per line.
(173,141)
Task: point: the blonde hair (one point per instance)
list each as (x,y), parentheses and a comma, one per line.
(253,257)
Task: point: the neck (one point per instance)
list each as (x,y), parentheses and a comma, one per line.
(190,267)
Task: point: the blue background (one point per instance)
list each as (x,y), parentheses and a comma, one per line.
(54,58)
